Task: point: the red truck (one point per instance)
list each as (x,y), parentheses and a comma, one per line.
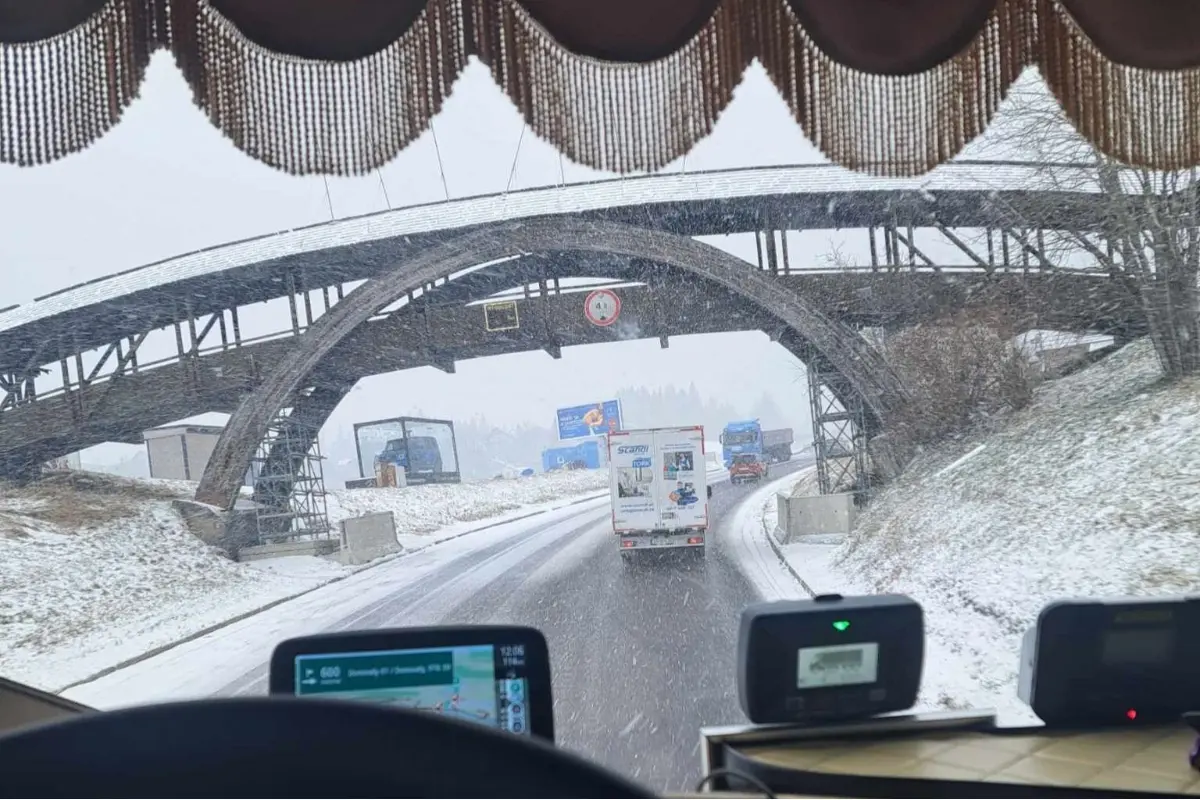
(746,467)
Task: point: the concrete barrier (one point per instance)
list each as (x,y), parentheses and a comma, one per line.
(299,547)
(807,515)
(368,537)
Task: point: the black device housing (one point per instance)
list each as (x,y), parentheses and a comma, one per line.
(1093,662)
(540,698)
(772,634)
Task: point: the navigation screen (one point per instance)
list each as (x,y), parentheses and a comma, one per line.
(485,683)
(840,665)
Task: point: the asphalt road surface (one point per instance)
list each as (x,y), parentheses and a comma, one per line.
(643,655)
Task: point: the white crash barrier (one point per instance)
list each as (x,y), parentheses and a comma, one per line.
(368,537)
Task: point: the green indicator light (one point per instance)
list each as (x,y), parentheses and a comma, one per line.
(841,624)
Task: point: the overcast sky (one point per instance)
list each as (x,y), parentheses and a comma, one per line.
(164,181)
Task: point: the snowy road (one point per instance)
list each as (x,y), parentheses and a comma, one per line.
(642,657)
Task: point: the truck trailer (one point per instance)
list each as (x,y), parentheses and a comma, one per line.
(748,437)
(659,489)
(777,445)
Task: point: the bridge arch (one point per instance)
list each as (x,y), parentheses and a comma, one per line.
(650,311)
(808,331)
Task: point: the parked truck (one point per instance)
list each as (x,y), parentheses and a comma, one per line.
(424,452)
(657,480)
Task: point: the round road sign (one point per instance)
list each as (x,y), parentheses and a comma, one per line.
(602,307)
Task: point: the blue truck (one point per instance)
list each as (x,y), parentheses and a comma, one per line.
(748,437)
(426,460)
(744,436)
(585,455)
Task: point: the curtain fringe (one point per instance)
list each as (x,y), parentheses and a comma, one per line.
(1102,98)
(306,116)
(60,95)
(895,125)
(613,117)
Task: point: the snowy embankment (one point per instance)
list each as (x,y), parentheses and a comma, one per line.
(1094,490)
(97,570)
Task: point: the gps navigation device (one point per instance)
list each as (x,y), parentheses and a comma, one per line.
(830,658)
(1125,661)
(498,676)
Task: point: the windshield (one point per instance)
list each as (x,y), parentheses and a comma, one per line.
(208,368)
(748,437)
(744,459)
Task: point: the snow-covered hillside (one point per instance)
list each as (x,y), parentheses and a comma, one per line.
(1093,490)
(95,570)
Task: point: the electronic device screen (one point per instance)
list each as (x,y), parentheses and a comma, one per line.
(1138,646)
(498,677)
(1122,660)
(830,658)
(837,666)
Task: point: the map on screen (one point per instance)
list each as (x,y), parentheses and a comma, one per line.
(459,682)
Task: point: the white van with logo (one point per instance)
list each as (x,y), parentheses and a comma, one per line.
(659,488)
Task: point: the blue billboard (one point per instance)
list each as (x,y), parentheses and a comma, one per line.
(585,455)
(594,419)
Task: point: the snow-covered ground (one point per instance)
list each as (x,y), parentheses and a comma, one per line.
(1093,490)
(96,570)
(422,510)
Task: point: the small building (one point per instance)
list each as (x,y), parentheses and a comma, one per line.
(180,452)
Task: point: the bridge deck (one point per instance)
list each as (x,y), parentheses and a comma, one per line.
(121,407)
(964,195)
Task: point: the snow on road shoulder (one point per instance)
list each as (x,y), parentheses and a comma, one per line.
(1094,490)
(97,570)
(745,537)
(953,638)
(810,557)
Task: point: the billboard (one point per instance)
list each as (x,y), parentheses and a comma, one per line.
(585,455)
(594,419)
(425,448)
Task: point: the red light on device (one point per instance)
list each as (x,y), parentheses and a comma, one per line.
(1131,714)
(695,540)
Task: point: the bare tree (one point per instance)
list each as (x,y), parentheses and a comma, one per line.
(1146,232)
(958,367)
(958,370)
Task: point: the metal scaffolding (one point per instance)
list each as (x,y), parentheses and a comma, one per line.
(289,483)
(839,436)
